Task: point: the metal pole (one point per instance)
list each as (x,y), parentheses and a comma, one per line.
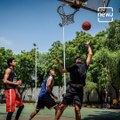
(64,55)
(36,71)
(35,46)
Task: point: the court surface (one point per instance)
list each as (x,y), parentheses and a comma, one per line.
(87,113)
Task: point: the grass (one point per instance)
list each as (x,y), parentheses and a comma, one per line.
(87,113)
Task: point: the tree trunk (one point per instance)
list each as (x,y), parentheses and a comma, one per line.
(88,98)
(21,91)
(100,97)
(116,92)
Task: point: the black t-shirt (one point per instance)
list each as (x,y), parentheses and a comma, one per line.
(78,73)
(13,78)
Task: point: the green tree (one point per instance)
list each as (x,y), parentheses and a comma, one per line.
(4,56)
(25,69)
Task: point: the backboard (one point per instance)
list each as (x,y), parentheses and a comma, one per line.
(91,5)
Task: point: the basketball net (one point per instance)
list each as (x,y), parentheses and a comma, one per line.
(66,18)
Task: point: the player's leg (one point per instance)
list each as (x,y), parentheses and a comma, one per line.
(20,106)
(50,103)
(77,101)
(56,108)
(19,112)
(9,115)
(34,113)
(10,103)
(40,105)
(67,100)
(59,111)
(77,112)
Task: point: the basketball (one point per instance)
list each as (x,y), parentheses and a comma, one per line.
(86,25)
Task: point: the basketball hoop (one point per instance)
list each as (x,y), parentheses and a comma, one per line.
(66,18)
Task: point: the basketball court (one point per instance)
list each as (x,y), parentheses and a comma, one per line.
(67,11)
(87,113)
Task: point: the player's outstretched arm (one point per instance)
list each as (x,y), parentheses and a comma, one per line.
(61,69)
(90,53)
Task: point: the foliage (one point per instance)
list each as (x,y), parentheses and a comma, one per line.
(104,70)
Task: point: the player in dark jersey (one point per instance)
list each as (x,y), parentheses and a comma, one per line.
(46,98)
(12,95)
(74,93)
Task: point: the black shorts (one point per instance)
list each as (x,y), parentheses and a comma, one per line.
(45,101)
(73,96)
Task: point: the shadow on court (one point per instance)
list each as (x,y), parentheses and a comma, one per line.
(41,118)
(104,115)
(100,116)
(2,113)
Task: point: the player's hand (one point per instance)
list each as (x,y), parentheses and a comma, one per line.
(87,43)
(55,97)
(18,83)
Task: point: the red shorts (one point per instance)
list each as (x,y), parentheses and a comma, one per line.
(12,100)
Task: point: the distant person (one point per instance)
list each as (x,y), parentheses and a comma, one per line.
(74,93)
(12,96)
(46,98)
(2,96)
